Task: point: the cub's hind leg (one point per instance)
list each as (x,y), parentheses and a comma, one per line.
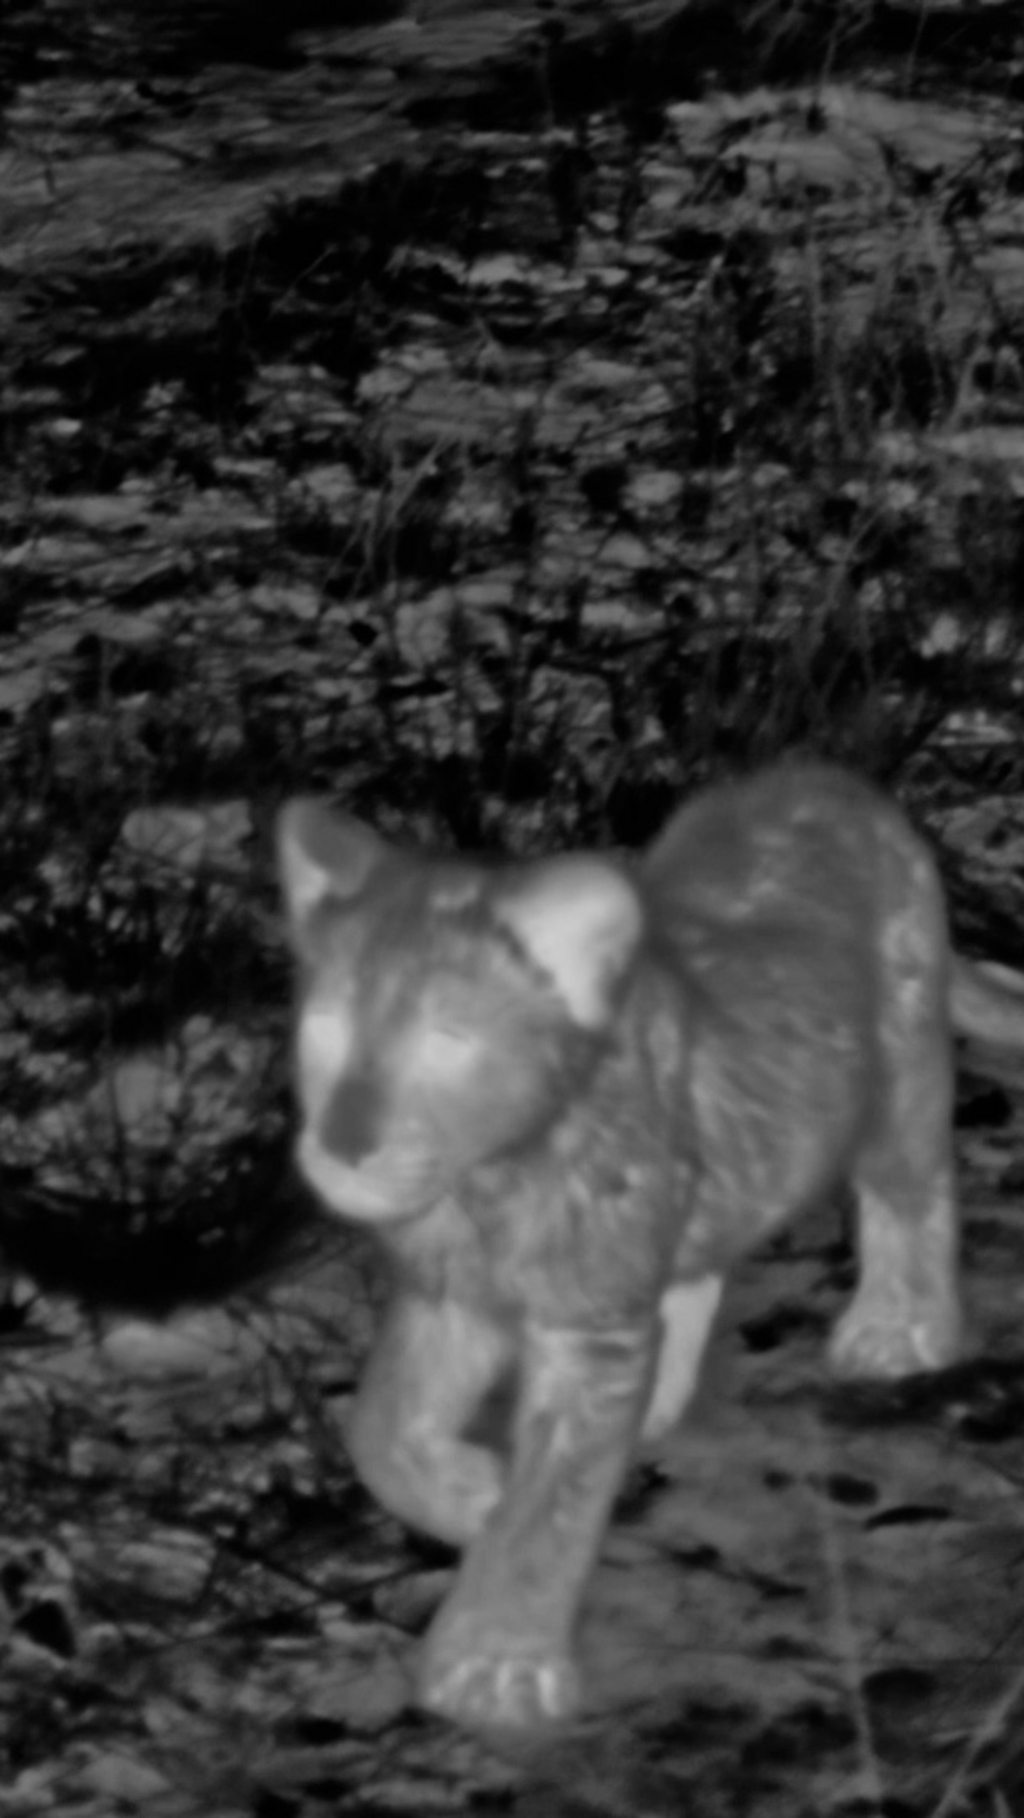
(687,1313)
(906,1313)
(432,1367)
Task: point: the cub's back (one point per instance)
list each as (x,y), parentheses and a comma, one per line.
(769,895)
(794,840)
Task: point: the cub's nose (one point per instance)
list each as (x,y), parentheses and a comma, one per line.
(351,1123)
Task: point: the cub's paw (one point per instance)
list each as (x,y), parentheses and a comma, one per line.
(500,1688)
(882,1346)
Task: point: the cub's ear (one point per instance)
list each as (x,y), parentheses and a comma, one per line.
(322,854)
(582,921)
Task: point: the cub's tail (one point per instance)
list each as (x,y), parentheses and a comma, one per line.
(987,1001)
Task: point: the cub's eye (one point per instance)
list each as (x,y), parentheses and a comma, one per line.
(443,1051)
(325,1043)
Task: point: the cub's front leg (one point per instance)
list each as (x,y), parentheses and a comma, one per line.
(433,1364)
(499,1653)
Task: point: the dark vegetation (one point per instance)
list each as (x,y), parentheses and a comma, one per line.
(507,493)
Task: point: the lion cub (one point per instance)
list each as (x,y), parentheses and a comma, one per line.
(568,1094)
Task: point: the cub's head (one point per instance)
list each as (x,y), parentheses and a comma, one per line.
(446,1011)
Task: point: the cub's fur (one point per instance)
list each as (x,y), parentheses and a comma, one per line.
(568,1095)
